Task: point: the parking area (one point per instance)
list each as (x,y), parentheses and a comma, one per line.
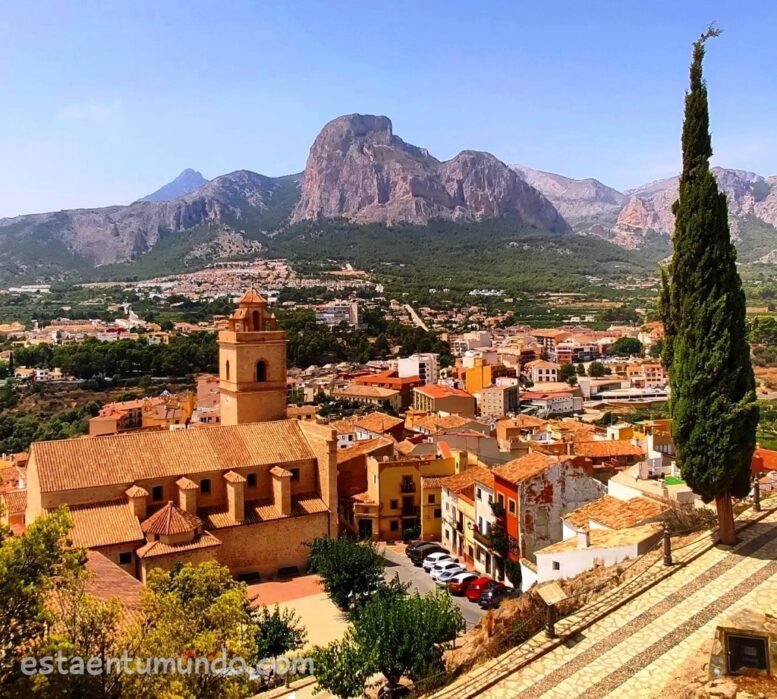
(398,563)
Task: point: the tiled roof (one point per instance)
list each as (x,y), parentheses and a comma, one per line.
(15,501)
(103,524)
(459,482)
(522,421)
(542,364)
(257,511)
(158,548)
(183,483)
(614,513)
(379,422)
(366,446)
(361,391)
(87,463)
(279,472)
(432,481)
(171,520)
(434,423)
(436,390)
(252,296)
(363,498)
(524,467)
(109,581)
(606,538)
(607,448)
(136,491)
(345,426)
(233,477)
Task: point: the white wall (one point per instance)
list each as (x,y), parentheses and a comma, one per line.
(572,563)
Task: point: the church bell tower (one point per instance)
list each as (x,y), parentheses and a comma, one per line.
(252,364)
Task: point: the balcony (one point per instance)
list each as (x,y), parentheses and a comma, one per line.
(481,538)
(410,511)
(407,487)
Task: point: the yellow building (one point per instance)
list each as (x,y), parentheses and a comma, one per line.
(478,377)
(252,364)
(401,494)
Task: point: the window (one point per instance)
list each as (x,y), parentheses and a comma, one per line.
(125,558)
(511,506)
(157,493)
(256,318)
(437,513)
(251,478)
(205,485)
(226,370)
(394,525)
(261,371)
(480,494)
(295,474)
(394,504)
(430,498)
(556,565)
(501,499)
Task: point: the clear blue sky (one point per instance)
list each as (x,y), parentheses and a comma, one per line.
(104,102)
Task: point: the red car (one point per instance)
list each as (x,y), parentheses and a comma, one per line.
(476,587)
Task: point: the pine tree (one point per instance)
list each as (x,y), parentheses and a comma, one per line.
(713,406)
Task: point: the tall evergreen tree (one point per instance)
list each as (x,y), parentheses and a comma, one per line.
(713,406)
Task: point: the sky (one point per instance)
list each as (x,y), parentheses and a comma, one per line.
(102,103)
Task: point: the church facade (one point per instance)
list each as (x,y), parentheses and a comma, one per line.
(249,493)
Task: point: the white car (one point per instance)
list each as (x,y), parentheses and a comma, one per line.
(446,567)
(453,575)
(434,558)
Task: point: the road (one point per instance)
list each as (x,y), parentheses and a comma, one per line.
(415,317)
(399,563)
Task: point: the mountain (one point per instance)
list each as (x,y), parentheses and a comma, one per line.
(643,216)
(220,219)
(360,171)
(188,181)
(587,205)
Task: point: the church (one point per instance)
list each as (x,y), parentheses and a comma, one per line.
(248,493)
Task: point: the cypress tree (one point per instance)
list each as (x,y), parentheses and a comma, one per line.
(713,405)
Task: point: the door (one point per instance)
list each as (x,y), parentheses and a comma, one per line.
(365,529)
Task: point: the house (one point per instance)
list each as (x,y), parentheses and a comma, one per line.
(593,549)
(535,491)
(379,424)
(515,432)
(383,398)
(390,379)
(609,455)
(542,371)
(352,464)
(436,398)
(346,431)
(446,424)
(549,338)
(248,495)
(424,365)
(392,502)
(499,400)
(609,512)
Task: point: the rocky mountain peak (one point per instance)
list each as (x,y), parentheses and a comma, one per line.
(360,170)
(188,181)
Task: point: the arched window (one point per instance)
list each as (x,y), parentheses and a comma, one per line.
(257,320)
(261,371)
(226,370)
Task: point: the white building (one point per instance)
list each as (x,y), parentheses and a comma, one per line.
(593,549)
(424,365)
(542,371)
(337,312)
(485,561)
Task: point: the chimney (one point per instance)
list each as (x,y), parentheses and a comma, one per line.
(281,489)
(236,490)
(583,539)
(187,495)
(138,503)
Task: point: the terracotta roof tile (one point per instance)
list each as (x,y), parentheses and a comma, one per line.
(524,467)
(70,463)
(15,501)
(184,484)
(614,513)
(366,446)
(459,482)
(233,477)
(135,491)
(169,520)
(362,391)
(435,423)
(279,472)
(379,422)
(257,511)
(103,524)
(252,296)
(158,548)
(436,390)
(607,448)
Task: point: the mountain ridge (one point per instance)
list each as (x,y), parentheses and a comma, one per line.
(188,181)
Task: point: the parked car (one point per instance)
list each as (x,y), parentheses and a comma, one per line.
(413,545)
(434,558)
(492,597)
(477,587)
(459,582)
(421,551)
(445,567)
(448,575)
